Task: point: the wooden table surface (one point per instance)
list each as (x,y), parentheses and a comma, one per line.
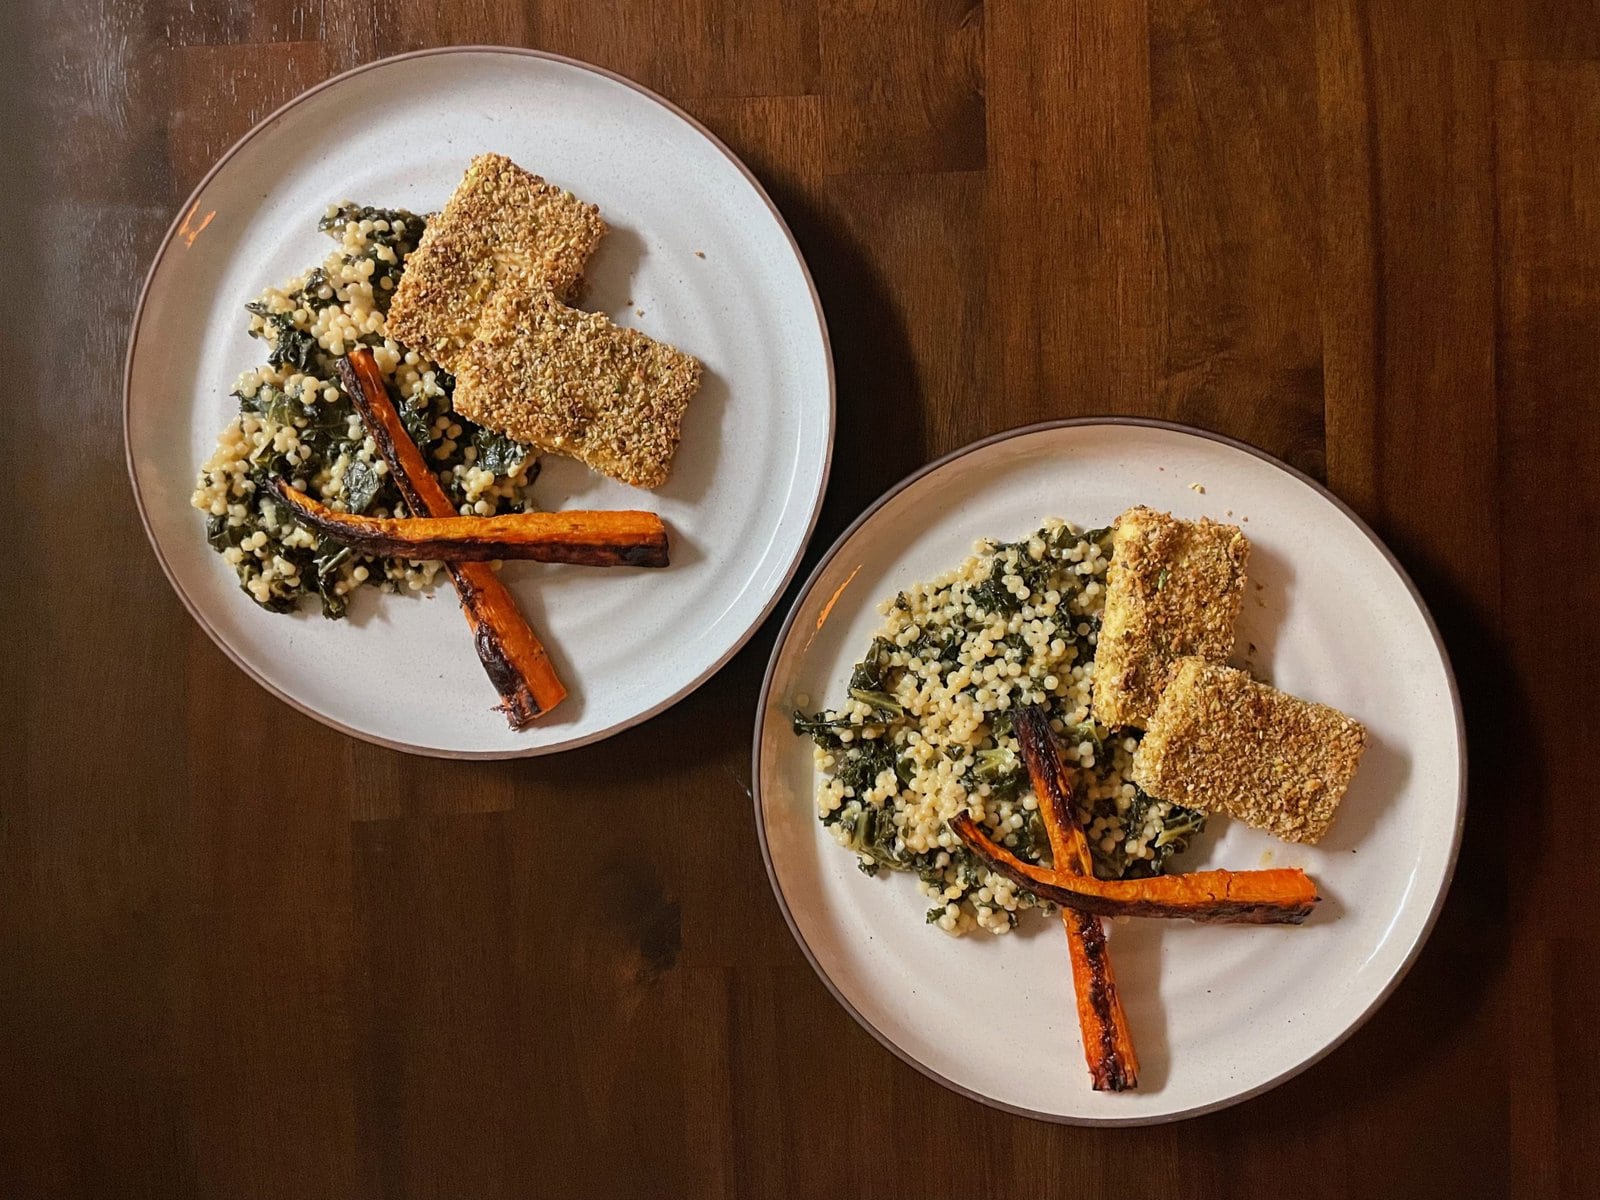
(241,955)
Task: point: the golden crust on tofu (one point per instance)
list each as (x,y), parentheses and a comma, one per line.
(570,382)
(1174,588)
(1221,742)
(501,225)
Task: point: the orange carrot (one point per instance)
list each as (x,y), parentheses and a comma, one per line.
(511,654)
(1283,896)
(591,539)
(1107,1044)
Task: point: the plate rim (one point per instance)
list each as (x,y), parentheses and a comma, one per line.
(1412,953)
(191,205)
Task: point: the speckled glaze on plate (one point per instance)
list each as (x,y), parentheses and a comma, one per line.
(1218,1013)
(697,256)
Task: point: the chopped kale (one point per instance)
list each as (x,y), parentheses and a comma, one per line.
(327,418)
(1035,838)
(310,294)
(992,596)
(414,415)
(273,403)
(325,564)
(335,221)
(330,556)
(869,675)
(291,345)
(276,604)
(268,464)
(361,485)
(1179,825)
(1001,769)
(862,763)
(822,728)
(870,832)
(882,704)
(1016,646)
(220,534)
(334,605)
(937,645)
(1076,735)
(498,453)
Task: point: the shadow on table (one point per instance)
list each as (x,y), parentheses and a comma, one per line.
(1502,848)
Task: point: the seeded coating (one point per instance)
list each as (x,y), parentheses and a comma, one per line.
(1174,589)
(501,225)
(571,382)
(1223,743)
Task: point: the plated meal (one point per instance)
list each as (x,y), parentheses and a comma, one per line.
(1216,699)
(946,758)
(411,382)
(615,362)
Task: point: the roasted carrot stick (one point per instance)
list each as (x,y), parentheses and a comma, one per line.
(1282,896)
(1107,1044)
(592,539)
(515,661)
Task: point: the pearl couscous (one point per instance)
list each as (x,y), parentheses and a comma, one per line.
(296,423)
(926,731)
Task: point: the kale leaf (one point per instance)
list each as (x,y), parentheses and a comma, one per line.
(347,213)
(291,345)
(871,832)
(414,415)
(822,728)
(361,484)
(992,596)
(498,453)
(309,295)
(864,760)
(869,673)
(938,645)
(273,403)
(220,534)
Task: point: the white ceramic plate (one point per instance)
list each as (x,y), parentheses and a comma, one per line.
(1218,1013)
(750,473)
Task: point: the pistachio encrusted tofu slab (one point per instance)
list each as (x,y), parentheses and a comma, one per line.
(1223,743)
(1174,588)
(501,226)
(571,382)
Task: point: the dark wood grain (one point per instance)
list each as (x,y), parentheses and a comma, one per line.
(243,956)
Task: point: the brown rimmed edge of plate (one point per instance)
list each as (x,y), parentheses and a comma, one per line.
(191,205)
(1173,427)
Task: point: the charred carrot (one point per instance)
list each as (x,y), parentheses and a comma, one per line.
(512,655)
(591,539)
(1107,1044)
(1283,896)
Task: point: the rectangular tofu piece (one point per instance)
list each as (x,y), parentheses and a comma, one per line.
(501,225)
(571,382)
(1223,743)
(1174,588)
